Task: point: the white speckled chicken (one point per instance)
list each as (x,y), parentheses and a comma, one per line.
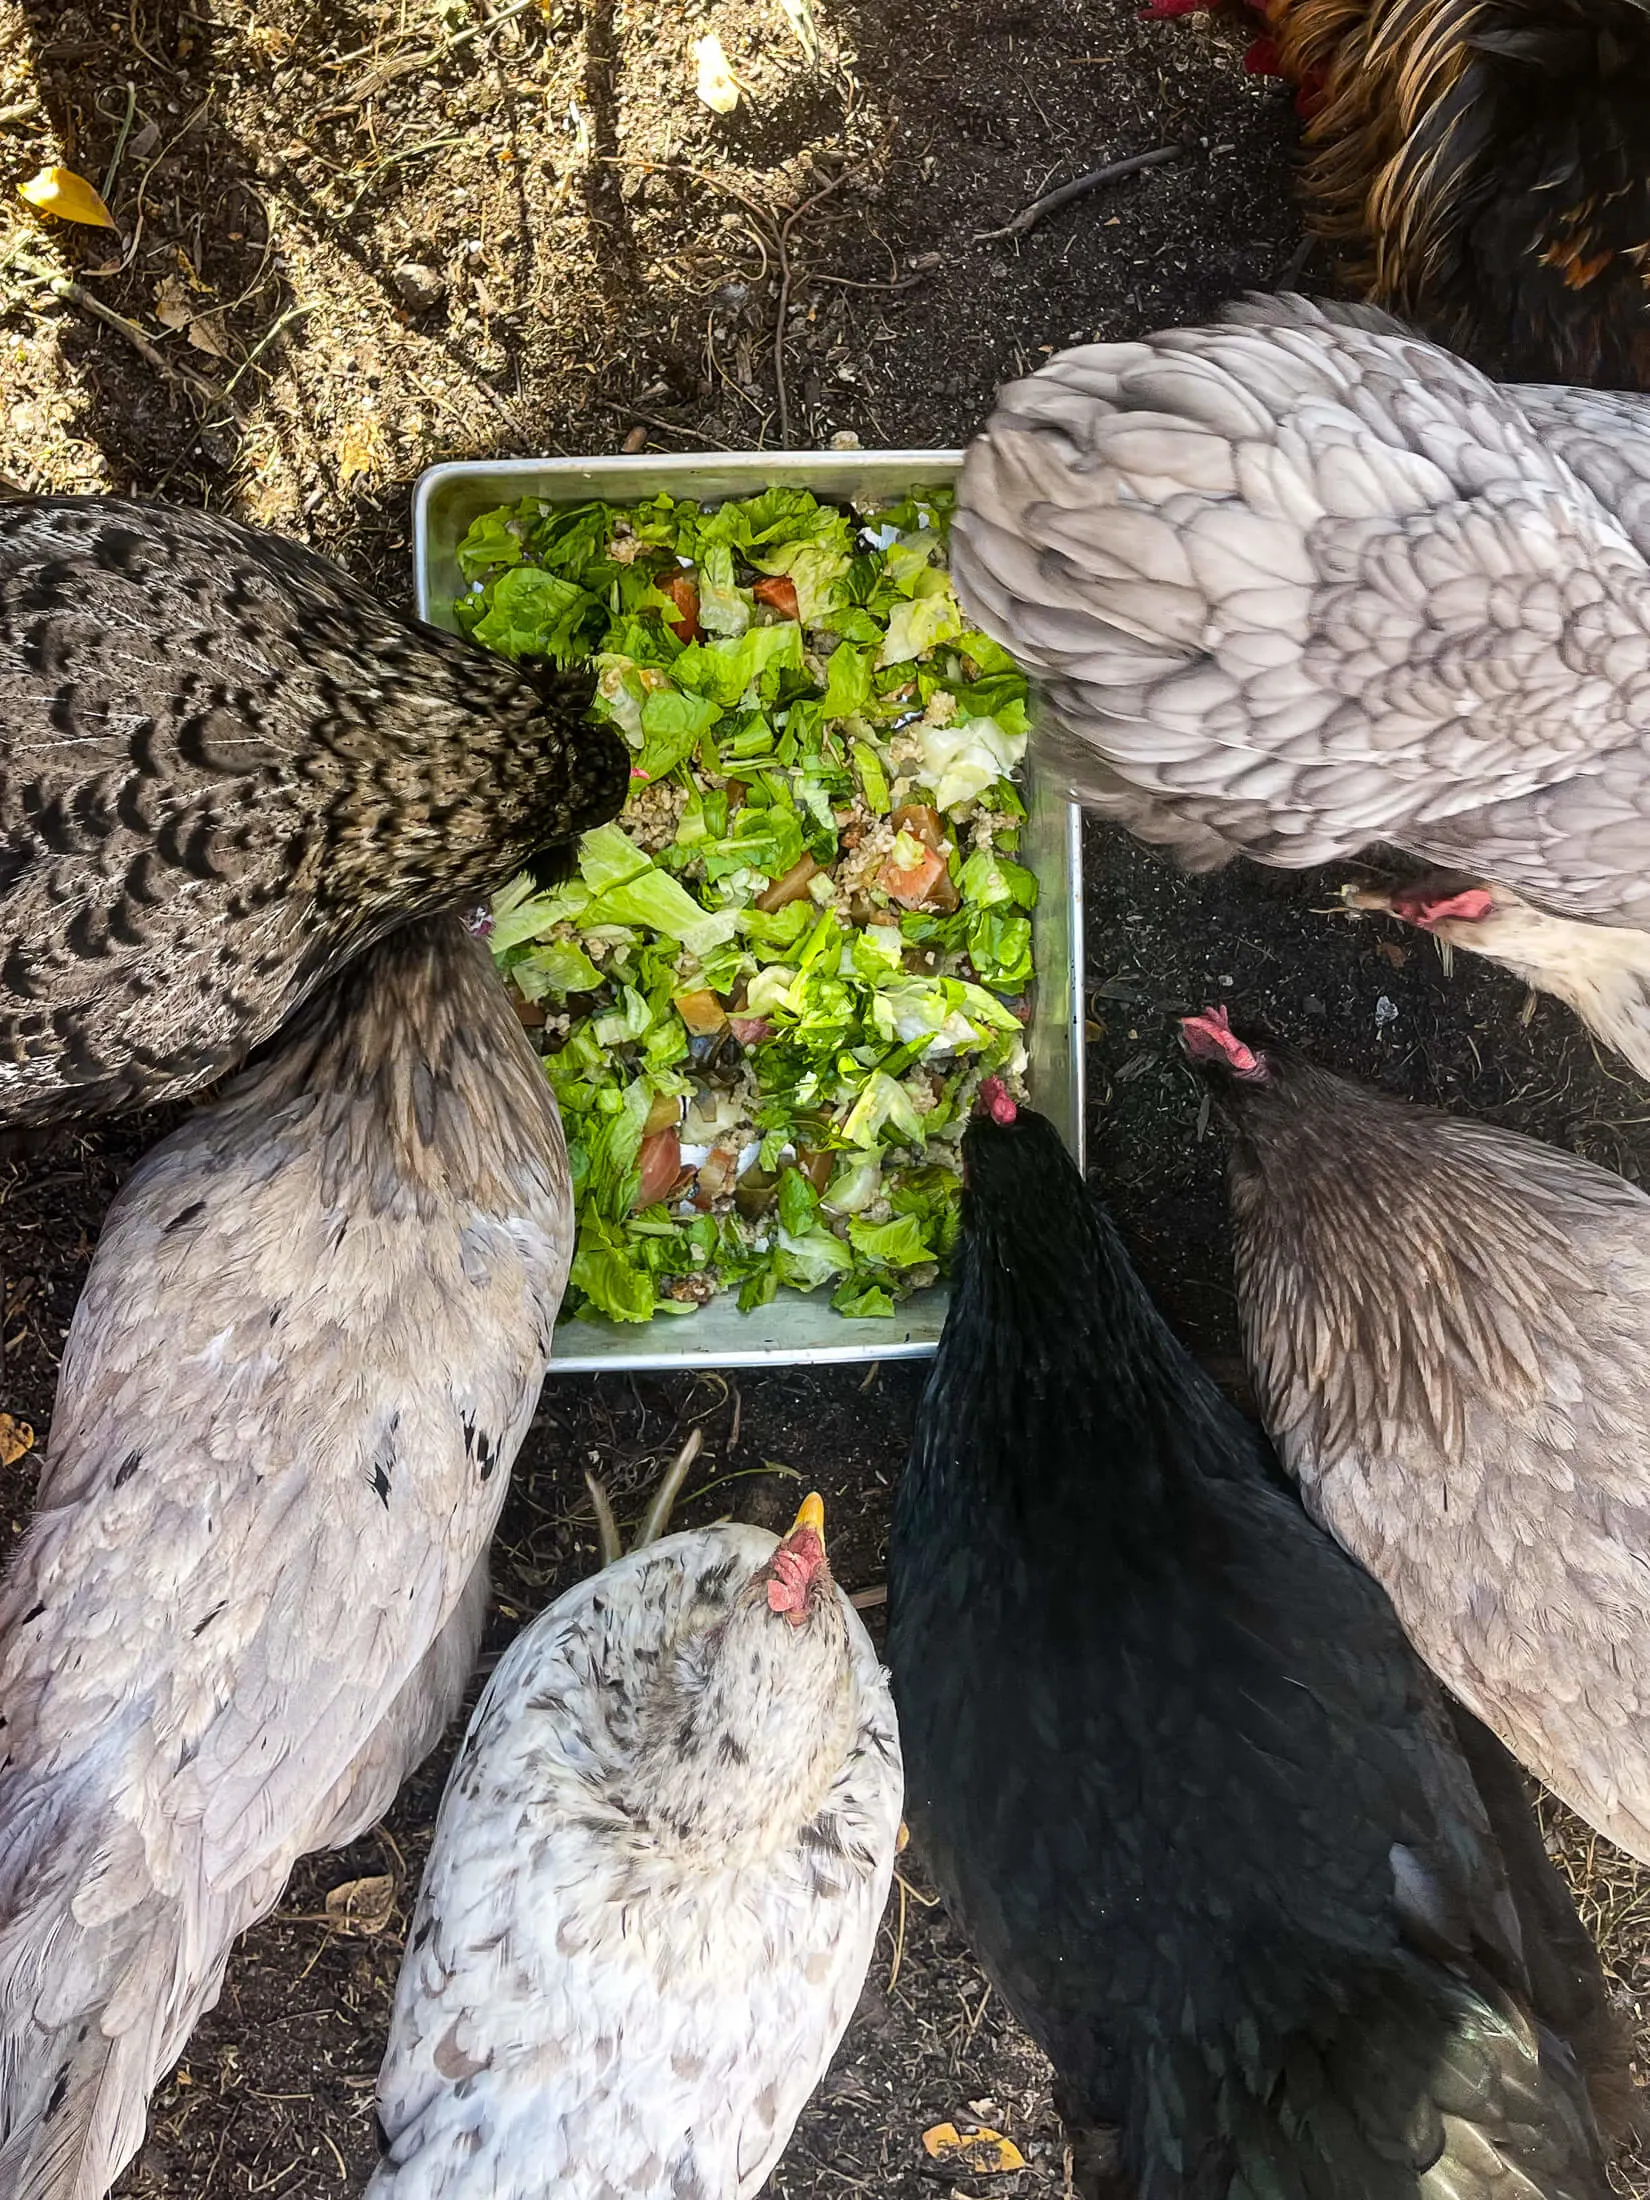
(225,770)
(1448,1328)
(1301,583)
(310,1344)
(655,1885)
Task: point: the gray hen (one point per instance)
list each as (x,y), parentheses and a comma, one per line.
(308,1350)
(1301,583)
(224,770)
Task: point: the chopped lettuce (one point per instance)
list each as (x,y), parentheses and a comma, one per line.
(784,1085)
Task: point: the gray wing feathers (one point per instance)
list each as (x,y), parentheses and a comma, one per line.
(1298,582)
(253,1590)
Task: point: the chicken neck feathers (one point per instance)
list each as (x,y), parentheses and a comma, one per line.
(1450,1356)
(308,1349)
(1300,582)
(1482,165)
(1177,1771)
(225,770)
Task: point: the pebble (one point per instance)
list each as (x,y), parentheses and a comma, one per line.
(417,287)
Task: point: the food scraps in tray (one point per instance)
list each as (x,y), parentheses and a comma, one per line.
(768,995)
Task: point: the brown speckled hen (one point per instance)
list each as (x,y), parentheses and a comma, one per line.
(1484,166)
(224,771)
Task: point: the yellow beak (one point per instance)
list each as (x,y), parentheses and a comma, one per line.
(811,1516)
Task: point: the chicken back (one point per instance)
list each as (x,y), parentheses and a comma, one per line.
(224,769)
(1448,1329)
(1182,1780)
(310,1344)
(655,1885)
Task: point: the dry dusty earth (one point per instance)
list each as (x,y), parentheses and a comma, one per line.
(359,236)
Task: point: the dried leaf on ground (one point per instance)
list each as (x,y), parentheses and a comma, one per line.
(172,306)
(717,86)
(16,1439)
(70,197)
(207,333)
(981,2152)
(362,1906)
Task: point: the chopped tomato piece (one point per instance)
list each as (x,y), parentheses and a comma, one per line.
(780,595)
(683,591)
(661,1165)
(922,822)
(912,887)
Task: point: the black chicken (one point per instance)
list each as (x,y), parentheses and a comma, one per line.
(1485,166)
(1183,1782)
(224,771)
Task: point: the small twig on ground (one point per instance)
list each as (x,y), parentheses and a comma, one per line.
(292,313)
(386,72)
(174,369)
(672,427)
(845,282)
(785,272)
(21,112)
(1026,220)
(119,153)
(865,1600)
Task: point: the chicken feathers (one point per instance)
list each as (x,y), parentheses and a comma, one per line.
(1301,582)
(654,1890)
(1178,1774)
(224,770)
(310,1344)
(1450,1351)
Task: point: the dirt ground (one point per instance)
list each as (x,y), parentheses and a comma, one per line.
(359,237)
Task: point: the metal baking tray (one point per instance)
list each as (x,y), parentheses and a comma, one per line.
(793,1331)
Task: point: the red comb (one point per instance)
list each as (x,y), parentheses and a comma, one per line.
(1210,1038)
(995,1101)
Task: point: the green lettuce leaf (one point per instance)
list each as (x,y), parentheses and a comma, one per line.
(533,614)
(896,1244)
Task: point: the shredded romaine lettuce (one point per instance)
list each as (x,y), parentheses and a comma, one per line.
(769,993)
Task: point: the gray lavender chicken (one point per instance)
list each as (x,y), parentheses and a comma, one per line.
(1301,584)
(224,771)
(1448,1327)
(308,1349)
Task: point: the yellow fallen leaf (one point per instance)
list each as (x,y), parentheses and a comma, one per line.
(60,191)
(16,1439)
(980,2152)
(717,86)
(362,1906)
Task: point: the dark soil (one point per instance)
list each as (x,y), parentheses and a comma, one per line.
(364,237)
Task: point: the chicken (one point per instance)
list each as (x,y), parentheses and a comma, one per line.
(1300,584)
(655,1885)
(310,1344)
(1181,1779)
(1483,166)
(1446,1326)
(224,770)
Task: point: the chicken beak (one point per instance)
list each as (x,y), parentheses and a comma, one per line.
(812,1516)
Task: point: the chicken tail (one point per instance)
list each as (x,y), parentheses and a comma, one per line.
(74,2094)
(1568,1993)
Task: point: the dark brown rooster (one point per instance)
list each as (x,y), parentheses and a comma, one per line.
(1484,165)
(225,770)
